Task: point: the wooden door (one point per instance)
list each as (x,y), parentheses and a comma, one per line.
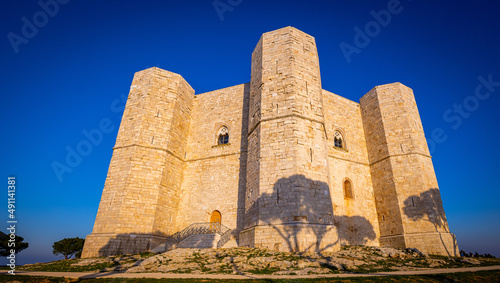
(215,222)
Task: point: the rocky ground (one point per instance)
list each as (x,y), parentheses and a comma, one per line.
(258,261)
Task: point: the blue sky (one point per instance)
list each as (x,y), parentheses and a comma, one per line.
(69,72)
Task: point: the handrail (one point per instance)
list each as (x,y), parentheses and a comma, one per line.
(224,238)
(197,229)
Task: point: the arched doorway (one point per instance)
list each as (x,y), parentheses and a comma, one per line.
(215,221)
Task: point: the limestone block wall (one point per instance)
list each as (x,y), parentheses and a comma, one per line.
(98,245)
(252,192)
(182,100)
(388,209)
(406,190)
(390,221)
(287,143)
(143,182)
(344,115)
(214,176)
(356,218)
(227,106)
(252,188)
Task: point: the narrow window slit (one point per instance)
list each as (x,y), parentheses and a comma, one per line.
(348,189)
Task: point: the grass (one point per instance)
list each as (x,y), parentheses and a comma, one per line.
(182,270)
(267,270)
(258,253)
(480,276)
(146,254)
(489,261)
(66,265)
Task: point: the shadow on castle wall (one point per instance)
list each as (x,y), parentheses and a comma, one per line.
(242,178)
(299,210)
(354,230)
(130,244)
(428,206)
(299,207)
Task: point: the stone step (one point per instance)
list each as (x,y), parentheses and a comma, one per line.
(159,249)
(230,244)
(200,241)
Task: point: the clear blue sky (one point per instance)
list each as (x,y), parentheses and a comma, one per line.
(67,75)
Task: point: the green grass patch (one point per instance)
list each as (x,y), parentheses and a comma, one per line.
(267,270)
(182,270)
(66,265)
(146,254)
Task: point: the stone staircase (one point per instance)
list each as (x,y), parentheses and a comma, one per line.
(207,235)
(201,241)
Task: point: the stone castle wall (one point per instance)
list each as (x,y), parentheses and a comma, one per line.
(356,218)
(279,182)
(287,168)
(142,189)
(405,185)
(214,176)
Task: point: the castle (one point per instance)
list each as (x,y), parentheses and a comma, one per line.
(279,162)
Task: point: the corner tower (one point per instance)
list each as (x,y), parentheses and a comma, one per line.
(407,197)
(141,194)
(288,205)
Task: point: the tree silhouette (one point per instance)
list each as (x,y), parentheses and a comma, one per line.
(6,244)
(298,201)
(68,247)
(354,230)
(429,206)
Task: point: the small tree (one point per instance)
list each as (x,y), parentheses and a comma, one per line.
(68,247)
(6,244)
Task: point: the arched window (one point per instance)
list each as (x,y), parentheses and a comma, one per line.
(223,135)
(347,189)
(338,139)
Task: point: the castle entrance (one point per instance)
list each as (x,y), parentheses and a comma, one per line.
(215,222)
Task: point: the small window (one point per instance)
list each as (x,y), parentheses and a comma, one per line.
(224,139)
(338,140)
(347,189)
(223,135)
